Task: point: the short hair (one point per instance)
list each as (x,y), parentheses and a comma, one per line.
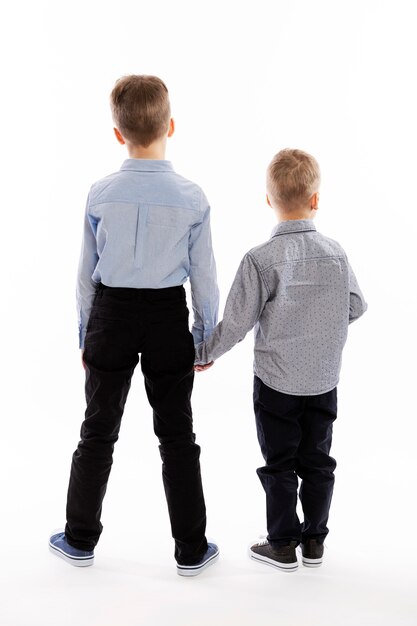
(140,108)
(293,176)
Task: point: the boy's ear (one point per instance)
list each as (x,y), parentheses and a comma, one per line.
(314,201)
(268,201)
(119,136)
(171,128)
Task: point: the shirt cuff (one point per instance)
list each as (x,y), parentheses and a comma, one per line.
(199,354)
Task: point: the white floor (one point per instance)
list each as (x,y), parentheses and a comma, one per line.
(137,585)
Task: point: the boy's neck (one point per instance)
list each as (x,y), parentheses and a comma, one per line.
(296,215)
(155,151)
(290,218)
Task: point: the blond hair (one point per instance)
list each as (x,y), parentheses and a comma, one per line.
(293,176)
(140,108)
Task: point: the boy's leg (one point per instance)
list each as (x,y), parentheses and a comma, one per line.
(168,366)
(278,418)
(315,465)
(110,358)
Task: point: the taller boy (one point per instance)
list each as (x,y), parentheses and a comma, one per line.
(146,231)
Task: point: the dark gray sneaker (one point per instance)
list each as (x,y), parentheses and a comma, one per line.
(312,553)
(283,558)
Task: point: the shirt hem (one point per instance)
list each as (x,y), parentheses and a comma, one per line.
(297,393)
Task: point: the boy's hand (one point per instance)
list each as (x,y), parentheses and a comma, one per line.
(203,368)
(82,358)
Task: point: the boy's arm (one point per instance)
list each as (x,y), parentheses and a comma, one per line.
(203,279)
(86,287)
(357,304)
(245,303)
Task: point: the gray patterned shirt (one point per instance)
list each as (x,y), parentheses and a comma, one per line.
(300,293)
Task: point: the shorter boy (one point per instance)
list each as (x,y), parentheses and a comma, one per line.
(300,292)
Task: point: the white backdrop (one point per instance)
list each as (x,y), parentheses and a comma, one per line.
(246,79)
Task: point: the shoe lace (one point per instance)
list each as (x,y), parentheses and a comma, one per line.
(263,541)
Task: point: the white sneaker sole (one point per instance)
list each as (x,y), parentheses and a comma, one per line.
(312,562)
(195,570)
(285,567)
(83,561)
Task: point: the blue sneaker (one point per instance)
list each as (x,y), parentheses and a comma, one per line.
(59,546)
(210,557)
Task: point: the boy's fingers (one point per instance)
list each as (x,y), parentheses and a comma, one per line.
(203,368)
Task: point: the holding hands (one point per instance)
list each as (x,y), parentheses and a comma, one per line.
(203,368)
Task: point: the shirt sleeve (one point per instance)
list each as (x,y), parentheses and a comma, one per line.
(203,278)
(86,286)
(245,303)
(357,304)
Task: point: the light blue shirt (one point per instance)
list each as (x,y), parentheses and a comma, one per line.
(300,293)
(147,227)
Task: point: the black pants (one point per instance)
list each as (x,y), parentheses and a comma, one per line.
(295,435)
(123,323)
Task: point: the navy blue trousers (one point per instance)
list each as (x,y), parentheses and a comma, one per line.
(295,435)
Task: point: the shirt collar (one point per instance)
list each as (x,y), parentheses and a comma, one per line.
(147,165)
(293,226)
